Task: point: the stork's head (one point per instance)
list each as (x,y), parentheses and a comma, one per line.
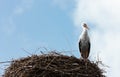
(85,26)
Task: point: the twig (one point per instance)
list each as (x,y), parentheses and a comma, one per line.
(26,51)
(48,65)
(6,62)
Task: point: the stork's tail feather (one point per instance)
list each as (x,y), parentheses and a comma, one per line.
(85,55)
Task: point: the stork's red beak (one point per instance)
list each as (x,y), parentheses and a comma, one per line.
(87,27)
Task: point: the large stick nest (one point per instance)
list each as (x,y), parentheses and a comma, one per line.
(52,65)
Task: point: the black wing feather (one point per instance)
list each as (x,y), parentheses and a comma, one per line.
(80,45)
(89,45)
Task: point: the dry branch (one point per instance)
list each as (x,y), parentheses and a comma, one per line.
(52,65)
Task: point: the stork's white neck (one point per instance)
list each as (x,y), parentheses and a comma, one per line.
(84,32)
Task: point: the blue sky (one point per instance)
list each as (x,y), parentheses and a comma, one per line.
(33,24)
(56,25)
(37,24)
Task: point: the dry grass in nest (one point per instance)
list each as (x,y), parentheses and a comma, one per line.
(52,65)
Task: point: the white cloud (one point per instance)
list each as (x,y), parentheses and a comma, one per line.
(105,33)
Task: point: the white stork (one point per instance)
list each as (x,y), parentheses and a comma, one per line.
(84,42)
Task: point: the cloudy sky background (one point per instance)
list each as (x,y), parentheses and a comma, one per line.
(27,26)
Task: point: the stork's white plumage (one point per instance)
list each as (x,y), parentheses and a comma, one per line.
(84,42)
